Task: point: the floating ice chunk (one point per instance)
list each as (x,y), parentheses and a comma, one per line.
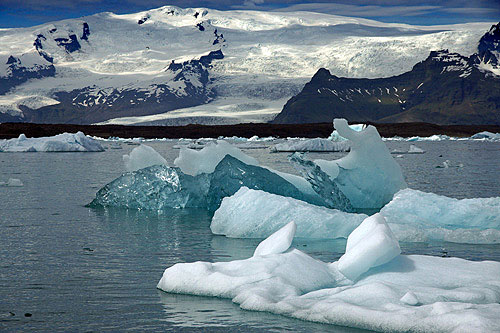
(487,135)
(278,242)
(412,150)
(142,157)
(335,136)
(452,294)
(412,215)
(311,145)
(419,216)
(257,214)
(12,182)
(371,244)
(368,176)
(193,162)
(159,187)
(65,142)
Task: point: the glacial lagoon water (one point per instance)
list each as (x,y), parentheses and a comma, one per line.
(79,269)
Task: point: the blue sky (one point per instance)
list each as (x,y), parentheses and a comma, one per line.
(22,13)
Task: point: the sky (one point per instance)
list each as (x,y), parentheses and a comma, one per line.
(24,13)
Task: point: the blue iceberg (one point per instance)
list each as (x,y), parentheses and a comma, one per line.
(158,187)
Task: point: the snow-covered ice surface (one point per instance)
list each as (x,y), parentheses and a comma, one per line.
(66,142)
(316,144)
(142,157)
(412,293)
(367,177)
(263,64)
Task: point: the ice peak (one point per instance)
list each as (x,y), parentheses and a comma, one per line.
(278,242)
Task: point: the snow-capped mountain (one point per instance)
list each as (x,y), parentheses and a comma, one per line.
(445,88)
(172,66)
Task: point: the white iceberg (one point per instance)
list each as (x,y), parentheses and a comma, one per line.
(487,135)
(368,176)
(193,162)
(419,216)
(411,150)
(257,214)
(12,182)
(311,145)
(409,293)
(66,142)
(371,244)
(413,216)
(142,157)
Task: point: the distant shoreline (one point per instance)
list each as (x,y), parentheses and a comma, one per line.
(13,130)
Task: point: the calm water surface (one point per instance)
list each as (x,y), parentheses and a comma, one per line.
(79,269)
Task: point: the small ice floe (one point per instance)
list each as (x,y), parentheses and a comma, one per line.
(371,287)
(411,150)
(66,142)
(449,164)
(12,182)
(311,145)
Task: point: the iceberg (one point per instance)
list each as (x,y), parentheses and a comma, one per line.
(413,216)
(311,145)
(487,135)
(158,187)
(367,177)
(412,150)
(419,216)
(412,293)
(12,182)
(142,157)
(66,142)
(257,214)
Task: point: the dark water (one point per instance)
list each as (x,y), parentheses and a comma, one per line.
(77,269)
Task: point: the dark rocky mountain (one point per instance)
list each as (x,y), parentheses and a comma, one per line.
(445,88)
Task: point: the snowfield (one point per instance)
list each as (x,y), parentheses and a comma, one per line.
(268,56)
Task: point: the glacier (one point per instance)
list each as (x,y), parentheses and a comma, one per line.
(264,65)
(66,142)
(142,157)
(413,216)
(367,177)
(412,293)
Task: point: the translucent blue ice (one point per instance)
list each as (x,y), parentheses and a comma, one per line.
(158,187)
